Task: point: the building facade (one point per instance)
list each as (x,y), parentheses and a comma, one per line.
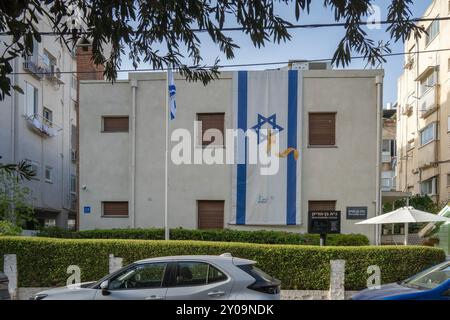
(122,143)
(423,111)
(39,126)
(389,149)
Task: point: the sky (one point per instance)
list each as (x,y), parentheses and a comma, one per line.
(308,44)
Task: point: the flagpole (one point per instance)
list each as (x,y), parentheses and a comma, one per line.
(166,176)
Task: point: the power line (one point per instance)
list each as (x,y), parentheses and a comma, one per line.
(293,26)
(239,65)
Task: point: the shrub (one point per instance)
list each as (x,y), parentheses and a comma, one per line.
(43,262)
(226,235)
(9,229)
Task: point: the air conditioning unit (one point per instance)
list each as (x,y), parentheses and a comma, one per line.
(73,155)
(415,171)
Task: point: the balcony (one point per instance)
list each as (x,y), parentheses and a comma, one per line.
(42,126)
(386,157)
(33,64)
(426,154)
(429,101)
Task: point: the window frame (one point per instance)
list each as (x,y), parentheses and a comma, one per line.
(199,142)
(103,215)
(73,183)
(104,117)
(49,169)
(171,282)
(428,38)
(136,266)
(335,129)
(434,186)
(47,121)
(35,111)
(435,133)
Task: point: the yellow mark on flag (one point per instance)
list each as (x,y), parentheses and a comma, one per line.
(288,151)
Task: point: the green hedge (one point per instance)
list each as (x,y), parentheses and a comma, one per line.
(226,235)
(43,262)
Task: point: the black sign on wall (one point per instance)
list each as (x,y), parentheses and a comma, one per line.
(356,213)
(324,222)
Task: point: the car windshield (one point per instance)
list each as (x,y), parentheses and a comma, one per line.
(430,278)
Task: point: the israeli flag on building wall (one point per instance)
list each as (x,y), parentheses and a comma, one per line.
(269,100)
(172,94)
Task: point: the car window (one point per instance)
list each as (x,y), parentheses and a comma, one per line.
(215,275)
(140,277)
(256,273)
(191,273)
(430,278)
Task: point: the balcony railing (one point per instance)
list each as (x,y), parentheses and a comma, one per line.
(43,126)
(386,157)
(40,69)
(429,101)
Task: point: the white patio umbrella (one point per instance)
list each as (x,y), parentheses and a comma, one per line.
(405,215)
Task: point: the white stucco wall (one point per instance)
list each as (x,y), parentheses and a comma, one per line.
(345,173)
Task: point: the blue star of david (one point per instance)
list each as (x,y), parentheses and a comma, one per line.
(272,121)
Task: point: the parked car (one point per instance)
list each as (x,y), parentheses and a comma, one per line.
(431,284)
(4,293)
(177,278)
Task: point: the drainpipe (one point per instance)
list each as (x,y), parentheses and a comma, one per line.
(134,86)
(379,84)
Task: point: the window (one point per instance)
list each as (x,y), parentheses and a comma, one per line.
(212,129)
(48,116)
(73,81)
(48,174)
(115,208)
(71,224)
(432,32)
(386,146)
(448,180)
(385,182)
(430,278)
(322,129)
(428,134)
(49,61)
(428,187)
(73,184)
(191,273)
(215,275)
(428,83)
(115,124)
(49,223)
(31,103)
(210,214)
(145,276)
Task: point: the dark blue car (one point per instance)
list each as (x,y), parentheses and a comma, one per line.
(431,284)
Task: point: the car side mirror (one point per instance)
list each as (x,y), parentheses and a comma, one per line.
(104,286)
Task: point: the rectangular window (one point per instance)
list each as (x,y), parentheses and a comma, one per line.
(31,97)
(428,134)
(212,129)
(115,208)
(322,129)
(73,184)
(386,146)
(71,224)
(448,180)
(322,205)
(49,61)
(48,174)
(428,83)
(73,81)
(48,116)
(49,223)
(428,187)
(210,214)
(432,32)
(115,124)
(385,182)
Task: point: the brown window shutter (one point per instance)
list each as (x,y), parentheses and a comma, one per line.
(322,205)
(211,121)
(210,214)
(115,124)
(322,129)
(115,208)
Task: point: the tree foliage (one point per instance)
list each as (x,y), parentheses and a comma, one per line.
(167,32)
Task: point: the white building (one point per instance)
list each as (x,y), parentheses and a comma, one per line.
(122,143)
(40,126)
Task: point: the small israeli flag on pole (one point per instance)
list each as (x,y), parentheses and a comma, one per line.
(172,93)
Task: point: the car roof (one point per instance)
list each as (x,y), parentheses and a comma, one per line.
(207,258)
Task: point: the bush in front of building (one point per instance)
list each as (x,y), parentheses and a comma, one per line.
(43,262)
(225,235)
(8,228)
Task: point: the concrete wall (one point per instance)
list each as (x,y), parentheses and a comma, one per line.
(345,173)
(19,142)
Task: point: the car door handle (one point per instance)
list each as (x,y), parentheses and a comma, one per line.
(154,297)
(216,293)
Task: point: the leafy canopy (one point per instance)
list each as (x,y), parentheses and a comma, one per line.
(167,32)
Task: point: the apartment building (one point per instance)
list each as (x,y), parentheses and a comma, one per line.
(423,111)
(122,143)
(389,149)
(40,126)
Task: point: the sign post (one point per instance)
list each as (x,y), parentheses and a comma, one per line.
(324,222)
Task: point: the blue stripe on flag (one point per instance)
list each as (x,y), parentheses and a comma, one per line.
(291,192)
(241,183)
